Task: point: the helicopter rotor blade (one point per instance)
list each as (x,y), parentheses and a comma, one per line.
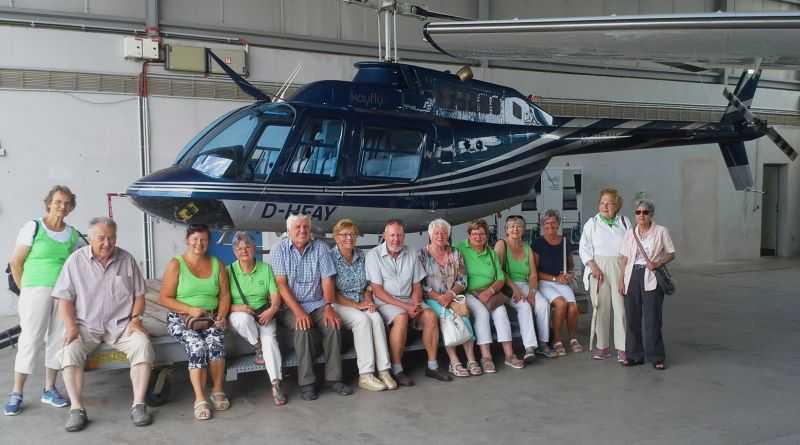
(244,85)
(785,147)
(771,133)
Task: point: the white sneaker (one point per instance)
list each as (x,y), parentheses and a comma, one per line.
(370,383)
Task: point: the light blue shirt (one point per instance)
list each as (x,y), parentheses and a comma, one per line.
(304,271)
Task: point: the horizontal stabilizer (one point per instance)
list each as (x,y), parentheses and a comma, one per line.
(735,158)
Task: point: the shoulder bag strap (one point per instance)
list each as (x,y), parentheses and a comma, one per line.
(639,245)
(236,280)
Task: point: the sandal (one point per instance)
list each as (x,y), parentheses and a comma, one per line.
(278,396)
(201,410)
(488,365)
(474,368)
(559,348)
(220,401)
(659,365)
(628,362)
(514,362)
(458,370)
(575,346)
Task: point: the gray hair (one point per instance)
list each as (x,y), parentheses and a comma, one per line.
(104,220)
(647,204)
(242,237)
(552,213)
(296,217)
(438,223)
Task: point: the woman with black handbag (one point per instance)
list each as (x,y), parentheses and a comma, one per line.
(645,251)
(195,290)
(255,302)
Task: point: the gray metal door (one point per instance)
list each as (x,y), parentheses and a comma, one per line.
(771,209)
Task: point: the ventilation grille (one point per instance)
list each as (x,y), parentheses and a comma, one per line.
(223,89)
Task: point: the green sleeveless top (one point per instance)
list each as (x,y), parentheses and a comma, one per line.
(518,270)
(46,258)
(198,292)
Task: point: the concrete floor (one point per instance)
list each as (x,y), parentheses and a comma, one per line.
(732,345)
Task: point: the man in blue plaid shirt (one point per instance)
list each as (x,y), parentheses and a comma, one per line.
(305,274)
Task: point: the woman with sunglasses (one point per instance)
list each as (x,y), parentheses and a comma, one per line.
(645,248)
(516,258)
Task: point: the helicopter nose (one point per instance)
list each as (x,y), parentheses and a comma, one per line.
(171,195)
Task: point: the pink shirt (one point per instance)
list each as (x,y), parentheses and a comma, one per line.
(662,244)
(103,296)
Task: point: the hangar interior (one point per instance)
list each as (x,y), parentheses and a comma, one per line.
(71,112)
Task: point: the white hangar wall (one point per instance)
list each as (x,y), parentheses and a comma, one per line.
(89,142)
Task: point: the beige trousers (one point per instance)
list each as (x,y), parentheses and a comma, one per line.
(135,345)
(42,329)
(606,297)
(245,325)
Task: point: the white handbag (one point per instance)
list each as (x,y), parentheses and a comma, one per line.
(454,331)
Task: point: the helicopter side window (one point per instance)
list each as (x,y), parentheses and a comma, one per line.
(220,156)
(391,153)
(318,152)
(267,149)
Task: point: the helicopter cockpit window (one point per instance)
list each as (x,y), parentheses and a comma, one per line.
(318,152)
(216,157)
(391,153)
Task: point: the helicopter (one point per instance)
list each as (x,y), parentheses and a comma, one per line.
(403,141)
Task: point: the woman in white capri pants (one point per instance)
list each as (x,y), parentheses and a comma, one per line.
(555,274)
(485,280)
(43,246)
(355,306)
(519,266)
(255,302)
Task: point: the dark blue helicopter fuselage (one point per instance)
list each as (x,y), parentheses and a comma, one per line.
(399,141)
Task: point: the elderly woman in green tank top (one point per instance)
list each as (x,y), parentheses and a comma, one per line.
(43,246)
(195,284)
(516,257)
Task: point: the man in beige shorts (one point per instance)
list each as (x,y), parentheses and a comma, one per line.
(101,300)
(396,277)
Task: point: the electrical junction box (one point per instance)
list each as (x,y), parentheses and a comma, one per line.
(186,58)
(234,58)
(132,47)
(143,48)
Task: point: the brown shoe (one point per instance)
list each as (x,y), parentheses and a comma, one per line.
(438,374)
(403,379)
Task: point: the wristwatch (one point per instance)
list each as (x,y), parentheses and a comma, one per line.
(329,304)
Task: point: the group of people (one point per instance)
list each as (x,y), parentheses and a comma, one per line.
(75,298)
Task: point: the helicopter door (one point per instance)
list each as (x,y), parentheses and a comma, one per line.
(317,153)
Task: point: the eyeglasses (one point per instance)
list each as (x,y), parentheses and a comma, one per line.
(347,235)
(642,212)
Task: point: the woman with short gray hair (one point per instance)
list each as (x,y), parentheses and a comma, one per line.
(644,249)
(255,302)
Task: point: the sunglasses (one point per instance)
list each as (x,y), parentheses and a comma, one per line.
(642,212)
